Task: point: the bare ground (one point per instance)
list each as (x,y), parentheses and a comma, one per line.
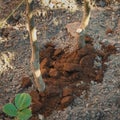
(102,102)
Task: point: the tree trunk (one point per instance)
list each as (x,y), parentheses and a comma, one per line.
(35,64)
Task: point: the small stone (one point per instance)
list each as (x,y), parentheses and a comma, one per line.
(99,77)
(109,31)
(97,64)
(81,82)
(34,95)
(78,84)
(92,82)
(68,18)
(105,42)
(44,72)
(88,39)
(117,45)
(72,27)
(57,52)
(41,117)
(51,5)
(71,67)
(44,63)
(26,82)
(36,106)
(67,92)
(46,2)
(117,102)
(66,101)
(7,90)
(102,3)
(18,86)
(51,91)
(53,72)
(33,118)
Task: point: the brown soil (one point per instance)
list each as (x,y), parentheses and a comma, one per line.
(66,76)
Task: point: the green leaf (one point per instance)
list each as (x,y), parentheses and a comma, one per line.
(24,114)
(22,101)
(10,110)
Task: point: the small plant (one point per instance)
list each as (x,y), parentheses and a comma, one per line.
(20,109)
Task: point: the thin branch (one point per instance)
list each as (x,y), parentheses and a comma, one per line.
(35,64)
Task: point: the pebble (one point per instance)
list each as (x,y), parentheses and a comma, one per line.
(97,64)
(105,42)
(92,82)
(97,46)
(78,84)
(102,3)
(117,45)
(41,117)
(46,2)
(7,90)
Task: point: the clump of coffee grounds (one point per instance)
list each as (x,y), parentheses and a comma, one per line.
(67,75)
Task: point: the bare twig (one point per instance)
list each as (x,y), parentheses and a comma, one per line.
(86,16)
(35,65)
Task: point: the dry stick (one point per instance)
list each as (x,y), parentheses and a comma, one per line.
(85,22)
(86,16)
(35,65)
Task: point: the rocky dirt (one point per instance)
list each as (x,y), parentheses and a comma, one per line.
(81,84)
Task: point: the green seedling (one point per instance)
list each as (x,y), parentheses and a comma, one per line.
(20,109)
